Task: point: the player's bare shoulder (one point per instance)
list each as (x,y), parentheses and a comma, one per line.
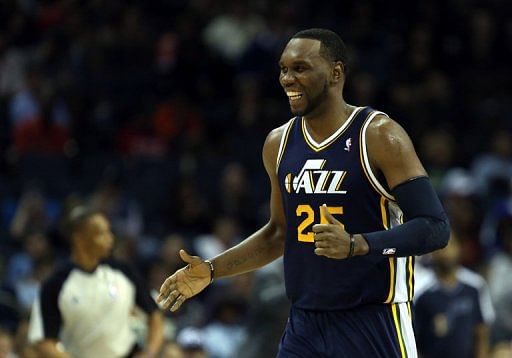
(391,150)
(272,144)
(385,137)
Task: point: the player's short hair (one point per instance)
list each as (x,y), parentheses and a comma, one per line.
(332,46)
(78,219)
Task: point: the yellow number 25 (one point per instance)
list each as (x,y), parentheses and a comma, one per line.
(307,236)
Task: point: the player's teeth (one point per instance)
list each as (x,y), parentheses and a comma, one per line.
(294,95)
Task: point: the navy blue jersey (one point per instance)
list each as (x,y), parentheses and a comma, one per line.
(337,173)
(446,317)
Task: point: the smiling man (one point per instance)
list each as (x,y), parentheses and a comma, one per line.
(350,207)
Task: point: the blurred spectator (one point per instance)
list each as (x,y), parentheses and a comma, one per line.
(25,104)
(224,333)
(236,194)
(178,122)
(191,342)
(493,170)
(491,232)
(187,208)
(169,252)
(437,150)
(123,212)
(31,215)
(231,32)
(36,247)
(43,129)
(139,139)
(460,200)
(12,72)
(225,234)
(28,269)
(268,313)
(28,288)
(500,270)
(453,313)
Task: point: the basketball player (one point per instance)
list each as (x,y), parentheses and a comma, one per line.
(85,308)
(350,207)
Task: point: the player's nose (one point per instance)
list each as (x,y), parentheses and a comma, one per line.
(287,80)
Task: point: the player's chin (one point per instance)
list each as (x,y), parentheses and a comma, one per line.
(297,111)
(107,252)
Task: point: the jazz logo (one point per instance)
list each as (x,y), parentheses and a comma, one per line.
(312,179)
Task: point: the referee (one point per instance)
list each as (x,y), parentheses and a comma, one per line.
(84,308)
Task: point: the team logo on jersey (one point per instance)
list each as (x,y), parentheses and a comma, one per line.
(312,179)
(389,251)
(348,144)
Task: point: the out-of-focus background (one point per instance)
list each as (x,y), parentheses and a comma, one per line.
(155,112)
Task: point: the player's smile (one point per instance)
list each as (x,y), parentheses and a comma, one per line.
(296,100)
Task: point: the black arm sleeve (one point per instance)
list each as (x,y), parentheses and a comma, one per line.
(425,229)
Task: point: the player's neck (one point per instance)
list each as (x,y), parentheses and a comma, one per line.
(84,261)
(327,118)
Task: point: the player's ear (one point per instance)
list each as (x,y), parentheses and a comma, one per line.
(337,72)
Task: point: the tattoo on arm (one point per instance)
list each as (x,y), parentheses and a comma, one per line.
(239,261)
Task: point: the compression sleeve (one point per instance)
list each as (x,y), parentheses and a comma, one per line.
(425,228)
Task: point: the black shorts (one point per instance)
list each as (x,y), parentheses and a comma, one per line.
(379,330)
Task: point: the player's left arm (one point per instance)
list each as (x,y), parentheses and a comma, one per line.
(426,227)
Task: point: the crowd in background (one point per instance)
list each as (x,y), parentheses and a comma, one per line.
(155,113)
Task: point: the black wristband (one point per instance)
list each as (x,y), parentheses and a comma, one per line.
(352,245)
(212,271)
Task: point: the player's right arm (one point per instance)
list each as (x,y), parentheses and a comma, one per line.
(259,249)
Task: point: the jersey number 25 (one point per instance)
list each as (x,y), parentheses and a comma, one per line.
(308,236)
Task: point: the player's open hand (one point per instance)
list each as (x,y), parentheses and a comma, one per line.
(184,283)
(331,239)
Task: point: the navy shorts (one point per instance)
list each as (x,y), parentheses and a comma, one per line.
(379,330)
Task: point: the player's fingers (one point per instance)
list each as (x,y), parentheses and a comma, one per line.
(321,227)
(192,260)
(322,252)
(165,288)
(178,303)
(322,244)
(328,216)
(171,299)
(325,236)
